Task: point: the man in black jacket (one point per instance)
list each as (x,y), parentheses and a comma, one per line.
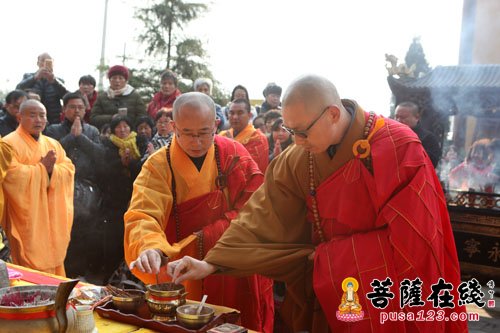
(8,121)
(408,113)
(82,145)
(50,88)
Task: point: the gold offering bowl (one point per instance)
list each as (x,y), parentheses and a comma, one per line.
(164,298)
(131,303)
(187,317)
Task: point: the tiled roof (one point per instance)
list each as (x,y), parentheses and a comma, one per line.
(470,76)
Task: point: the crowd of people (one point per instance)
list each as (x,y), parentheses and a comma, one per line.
(105,185)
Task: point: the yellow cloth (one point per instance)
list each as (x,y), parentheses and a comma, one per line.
(243,137)
(5,159)
(128,143)
(151,203)
(39,209)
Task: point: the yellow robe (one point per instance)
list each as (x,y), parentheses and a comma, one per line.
(5,159)
(39,208)
(151,203)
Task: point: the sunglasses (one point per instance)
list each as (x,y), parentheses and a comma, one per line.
(303,134)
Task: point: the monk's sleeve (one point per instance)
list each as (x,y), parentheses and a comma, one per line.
(149,210)
(249,181)
(24,183)
(62,177)
(5,159)
(270,235)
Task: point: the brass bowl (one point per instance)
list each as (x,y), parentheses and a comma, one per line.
(129,304)
(164,298)
(187,317)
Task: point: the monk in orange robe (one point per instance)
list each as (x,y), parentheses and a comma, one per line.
(39,194)
(5,159)
(185,198)
(357,196)
(242,131)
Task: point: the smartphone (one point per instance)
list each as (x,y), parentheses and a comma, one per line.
(122,111)
(48,64)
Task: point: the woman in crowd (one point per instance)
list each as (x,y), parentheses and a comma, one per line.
(164,129)
(205,85)
(120,98)
(86,87)
(123,152)
(279,139)
(145,127)
(165,98)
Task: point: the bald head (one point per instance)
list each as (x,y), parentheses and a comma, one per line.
(194,123)
(30,104)
(32,117)
(313,111)
(313,92)
(194,100)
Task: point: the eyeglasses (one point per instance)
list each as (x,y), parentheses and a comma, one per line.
(200,136)
(303,134)
(76,107)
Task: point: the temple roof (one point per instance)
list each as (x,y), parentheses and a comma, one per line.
(451,77)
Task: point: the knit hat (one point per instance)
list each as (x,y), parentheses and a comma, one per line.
(272,88)
(118,70)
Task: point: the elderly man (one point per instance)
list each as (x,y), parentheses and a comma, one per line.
(39,193)
(185,198)
(408,113)
(355,197)
(243,131)
(82,145)
(49,87)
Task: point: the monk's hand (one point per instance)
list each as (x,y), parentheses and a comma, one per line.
(49,160)
(189,268)
(149,261)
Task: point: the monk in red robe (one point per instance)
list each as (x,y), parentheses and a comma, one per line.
(185,198)
(243,131)
(357,197)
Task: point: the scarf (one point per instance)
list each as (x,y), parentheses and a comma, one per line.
(127,90)
(129,142)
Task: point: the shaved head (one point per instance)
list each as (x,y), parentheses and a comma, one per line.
(313,111)
(32,117)
(30,104)
(313,91)
(197,100)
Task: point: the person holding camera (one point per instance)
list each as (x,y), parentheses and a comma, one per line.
(49,87)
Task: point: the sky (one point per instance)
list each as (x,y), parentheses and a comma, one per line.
(248,42)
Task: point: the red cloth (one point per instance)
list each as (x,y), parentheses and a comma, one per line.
(161,101)
(252,295)
(393,223)
(258,147)
(91,104)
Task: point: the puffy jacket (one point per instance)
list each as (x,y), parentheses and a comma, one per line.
(85,150)
(105,107)
(50,94)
